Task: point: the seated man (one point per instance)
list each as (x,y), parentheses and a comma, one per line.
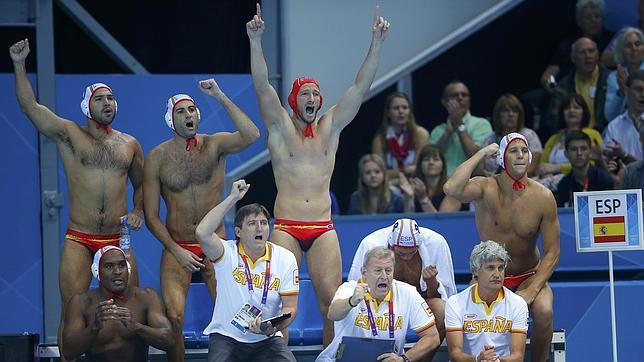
(487,321)
(621,137)
(256,280)
(631,176)
(116,321)
(584,176)
(423,258)
(405,309)
(588,79)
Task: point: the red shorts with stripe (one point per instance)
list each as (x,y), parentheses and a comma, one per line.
(192,246)
(93,242)
(304,231)
(512,282)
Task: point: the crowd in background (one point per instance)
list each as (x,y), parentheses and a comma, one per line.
(585,127)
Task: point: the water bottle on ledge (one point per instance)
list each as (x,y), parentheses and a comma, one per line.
(124,241)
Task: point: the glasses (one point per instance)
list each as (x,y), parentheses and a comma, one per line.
(457,95)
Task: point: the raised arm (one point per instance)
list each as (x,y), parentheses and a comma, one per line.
(45,120)
(463,188)
(152,197)
(341,306)
(208,239)
(135,174)
(349,104)
(551,248)
(269,103)
(247,131)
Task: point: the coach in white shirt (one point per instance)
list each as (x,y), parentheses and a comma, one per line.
(256,280)
(423,259)
(378,306)
(487,322)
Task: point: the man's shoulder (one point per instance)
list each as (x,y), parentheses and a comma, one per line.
(377,238)
(432,237)
(282,253)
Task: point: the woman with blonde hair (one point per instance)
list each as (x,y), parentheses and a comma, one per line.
(399,138)
(374,195)
(431,174)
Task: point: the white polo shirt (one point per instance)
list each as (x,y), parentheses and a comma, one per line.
(467,313)
(233,293)
(433,250)
(410,311)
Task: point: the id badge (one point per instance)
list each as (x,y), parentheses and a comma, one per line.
(246,314)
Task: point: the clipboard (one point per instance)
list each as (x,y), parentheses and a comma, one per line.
(363,348)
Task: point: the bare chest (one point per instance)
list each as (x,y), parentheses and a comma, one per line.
(409,271)
(83,151)
(178,171)
(294,149)
(509,219)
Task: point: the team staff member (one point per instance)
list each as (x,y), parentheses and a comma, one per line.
(358,309)
(423,260)
(254,274)
(487,322)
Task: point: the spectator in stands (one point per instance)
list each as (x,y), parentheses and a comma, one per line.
(515,210)
(573,116)
(584,176)
(430,175)
(187,171)
(629,56)
(588,79)
(376,287)
(399,138)
(116,321)
(507,117)
(608,56)
(462,134)
(589,17)
(631,176)
(374,195)
(467,311)
(256,280)
(621,136)
(423,258)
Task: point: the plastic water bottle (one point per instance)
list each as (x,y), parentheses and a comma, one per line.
(124,241)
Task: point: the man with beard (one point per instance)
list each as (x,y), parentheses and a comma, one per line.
(98,161)
(188,171)
(116,321)
(303,148)
(512,210)
(423,259)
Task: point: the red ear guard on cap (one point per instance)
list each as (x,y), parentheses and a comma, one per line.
(292,97)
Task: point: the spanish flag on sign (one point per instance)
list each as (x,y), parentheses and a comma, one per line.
(609,229)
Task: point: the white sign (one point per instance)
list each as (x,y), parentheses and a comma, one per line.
(608,220)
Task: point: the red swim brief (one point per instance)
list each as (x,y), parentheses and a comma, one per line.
(512,282)
(93,242)
(304,231)
(192,246)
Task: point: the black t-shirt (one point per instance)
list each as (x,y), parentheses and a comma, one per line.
(598,180)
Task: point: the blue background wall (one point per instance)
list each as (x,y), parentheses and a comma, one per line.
(580,307)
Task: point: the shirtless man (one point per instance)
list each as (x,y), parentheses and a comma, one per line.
(116,321)
(513,209)
(303,148)
(98,160)
(188,171)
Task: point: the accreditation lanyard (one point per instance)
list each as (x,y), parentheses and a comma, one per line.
(249,278)
(372,322)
